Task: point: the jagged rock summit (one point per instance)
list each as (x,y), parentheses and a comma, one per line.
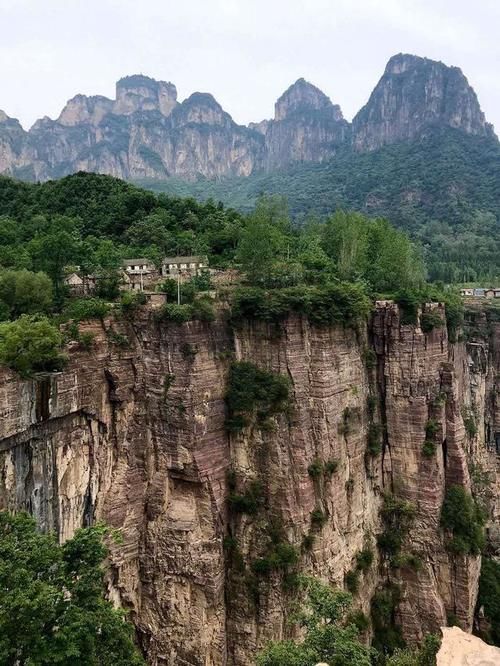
(145,132)
(413,94)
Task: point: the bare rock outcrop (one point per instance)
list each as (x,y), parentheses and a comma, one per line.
(461,649)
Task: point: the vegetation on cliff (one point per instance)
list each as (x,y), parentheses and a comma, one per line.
(52,609)
(331,636)
(489,600)
(462,517)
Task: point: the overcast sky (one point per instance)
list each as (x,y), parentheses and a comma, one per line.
(244,52)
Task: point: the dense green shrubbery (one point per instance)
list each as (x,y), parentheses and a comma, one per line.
(86,308)
(461,516)
(430,320)
(342,303)
(30,344)
(201,309)
(250,391)
(53,609)
(489,598)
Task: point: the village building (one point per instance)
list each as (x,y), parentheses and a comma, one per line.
(489,293)
(80,284)
(467,292)
(173,266)
(497,293)
(138,273)
(479,292)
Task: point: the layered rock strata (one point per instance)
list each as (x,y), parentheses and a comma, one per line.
(135,436)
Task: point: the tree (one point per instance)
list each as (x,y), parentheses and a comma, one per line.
(53,609)
(24,292)
(329,635)
(263,240)
(30,344)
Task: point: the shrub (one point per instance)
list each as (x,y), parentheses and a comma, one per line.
(281,557)
(465,520)
(86,308)
(178,314)
(430,320)
(364,559)
(359,620)
(251,390)
(408,302)
(318,518)
(387,635)
(370,358)
(117,338)
(308,541)
(248,502)
(397,516)
(203,309)
(86,340)
(431,428)
(342,303)
(489,599)
(188,351)
(352,581)
(374,446)
(30,344)
(428,448)
(407,561)
(130,301)
(331,466)
(470,424)
(315,469)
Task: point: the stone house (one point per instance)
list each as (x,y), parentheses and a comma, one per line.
(80,284)
(173,266)
(139,273)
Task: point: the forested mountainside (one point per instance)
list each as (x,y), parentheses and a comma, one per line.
(442,188)
(458,237)
(146,133)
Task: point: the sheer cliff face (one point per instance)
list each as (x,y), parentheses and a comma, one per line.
(413,94)
(146,133)
(135,437)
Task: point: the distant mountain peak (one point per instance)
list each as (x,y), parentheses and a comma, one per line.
(415,93)
(301,96)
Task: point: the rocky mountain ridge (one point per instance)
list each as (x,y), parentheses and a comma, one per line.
(145,132)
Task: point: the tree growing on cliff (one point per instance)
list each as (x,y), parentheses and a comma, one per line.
(330,636)
(52,607)
(30,344)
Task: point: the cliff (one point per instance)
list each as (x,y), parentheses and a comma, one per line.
(135,435)
(146,133)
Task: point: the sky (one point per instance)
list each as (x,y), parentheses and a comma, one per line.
(246,53)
